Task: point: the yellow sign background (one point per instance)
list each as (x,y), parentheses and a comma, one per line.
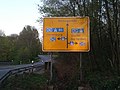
(66,34)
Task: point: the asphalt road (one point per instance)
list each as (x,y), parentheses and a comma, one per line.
(5,69)
(45,58)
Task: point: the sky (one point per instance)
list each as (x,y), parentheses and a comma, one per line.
(15,14)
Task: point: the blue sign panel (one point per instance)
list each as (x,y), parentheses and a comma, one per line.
(77,30)
(82,43)
(54,30)
(71,43)
(52,39)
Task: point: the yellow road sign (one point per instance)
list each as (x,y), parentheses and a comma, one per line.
(66,34)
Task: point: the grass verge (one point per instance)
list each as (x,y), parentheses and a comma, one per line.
(26,82)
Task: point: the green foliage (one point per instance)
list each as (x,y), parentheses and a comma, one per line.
(57,8)
(28,45)
(26,82)
(4,48)
(104,56)
(101,82)
(23,55)
(2,33)
(20,48)
(104,28)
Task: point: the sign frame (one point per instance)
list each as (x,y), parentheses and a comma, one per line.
(55,29)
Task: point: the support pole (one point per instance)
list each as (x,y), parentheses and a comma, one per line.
(51,73)
(81,77)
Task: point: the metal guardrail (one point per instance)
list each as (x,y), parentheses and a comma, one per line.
(19,70)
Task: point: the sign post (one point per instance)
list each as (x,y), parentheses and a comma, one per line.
(66,34)
(81,67)
(51,73)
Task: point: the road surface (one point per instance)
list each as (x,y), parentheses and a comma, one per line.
(5,69)
(45,58)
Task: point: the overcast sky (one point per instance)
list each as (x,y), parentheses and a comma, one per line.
(15,14)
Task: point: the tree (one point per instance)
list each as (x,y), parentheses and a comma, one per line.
(104,56)
(4,48)
(2,33)
(13,38)
(28,44)
(23,47)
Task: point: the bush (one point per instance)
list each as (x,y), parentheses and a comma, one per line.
(100,82)
(26,82)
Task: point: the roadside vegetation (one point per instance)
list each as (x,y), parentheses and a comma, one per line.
(22,48)
(101,65)
(26,82)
